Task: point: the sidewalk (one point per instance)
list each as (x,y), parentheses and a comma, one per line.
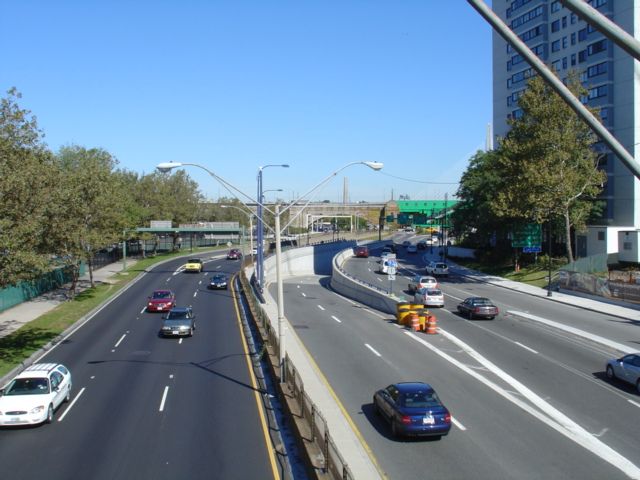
(19,315)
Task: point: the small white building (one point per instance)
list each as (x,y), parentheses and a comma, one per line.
(628,250)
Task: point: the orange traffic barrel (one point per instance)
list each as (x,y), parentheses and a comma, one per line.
(414,321)
(423,314)
(431,325)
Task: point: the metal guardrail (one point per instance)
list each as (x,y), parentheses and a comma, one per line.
(333,464)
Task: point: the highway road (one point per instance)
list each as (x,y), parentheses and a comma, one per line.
(528,402)
(148,407)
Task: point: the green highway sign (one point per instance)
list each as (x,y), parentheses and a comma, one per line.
(529,235)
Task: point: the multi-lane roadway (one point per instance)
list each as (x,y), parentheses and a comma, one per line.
(528,401)
(149,407)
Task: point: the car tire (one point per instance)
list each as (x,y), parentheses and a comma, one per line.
(610,373)
(394,429)
(191,332)
(68,397)
(470,315)
(638,386)
(49,418)
(376,407)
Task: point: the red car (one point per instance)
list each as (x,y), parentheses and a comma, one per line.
(234,254)
(161,301)
(362,251)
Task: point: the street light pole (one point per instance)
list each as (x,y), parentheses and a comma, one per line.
(249,214)
(281,333)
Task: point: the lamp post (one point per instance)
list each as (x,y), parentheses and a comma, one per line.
(260,227)
(168,166)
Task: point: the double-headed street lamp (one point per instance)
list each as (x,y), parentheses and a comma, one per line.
(168,166)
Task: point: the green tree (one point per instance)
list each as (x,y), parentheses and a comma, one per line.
(26,186)
(547,165)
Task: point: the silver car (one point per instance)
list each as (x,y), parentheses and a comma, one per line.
(429,297)
(626,368)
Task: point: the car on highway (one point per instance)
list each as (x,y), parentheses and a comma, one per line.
(218,281)
(161,301)
(34,395)
(437,268)
(406,243)
(422,245)
(422,281)
(429,297)
(412,249)
(479,307)
(194,265)
(385,254)
(626,368)
(412,408)
(179,322)
(234,254)
(392,247)
(361,251)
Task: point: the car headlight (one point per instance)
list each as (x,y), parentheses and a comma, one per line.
(38,409)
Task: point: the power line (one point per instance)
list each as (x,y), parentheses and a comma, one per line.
(417,181)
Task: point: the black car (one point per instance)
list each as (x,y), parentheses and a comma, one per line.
(179,322)
(478,307)
(218,281)
(412,408)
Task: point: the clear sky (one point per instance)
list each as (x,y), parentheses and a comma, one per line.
(235,84)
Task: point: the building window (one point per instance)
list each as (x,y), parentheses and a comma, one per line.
(555,46)
(598,92)
(582,56)
(595,70)
(564,22)
(564,63)
(573,38)
(597,47)
(564,42)
(601,236)
(555,6)
(582,35)
(573,59)
(574,18)
(597,3)
(627,246)
(527,17)
(555,26)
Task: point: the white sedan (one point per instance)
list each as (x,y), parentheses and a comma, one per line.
(429,297)
(33,396)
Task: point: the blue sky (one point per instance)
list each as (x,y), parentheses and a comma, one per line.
(234,85)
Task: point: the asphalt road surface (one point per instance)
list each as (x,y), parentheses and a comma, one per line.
(147,407)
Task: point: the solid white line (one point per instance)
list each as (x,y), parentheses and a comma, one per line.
(143,309)
(164,397)
(321,307)
(303,294)
(372,349)
(121,338)
(336,319)
(71,405)
(458,424)
(526,348)
(634,403)
(180,341)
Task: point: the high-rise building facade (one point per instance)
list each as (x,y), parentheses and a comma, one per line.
(612,76)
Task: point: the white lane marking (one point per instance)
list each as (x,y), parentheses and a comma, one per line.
(164,398)
(168,279)
(200,282)
(551,416)
(458,424)
(195,294)
(575,331)
(303,294)
(526,348)
(336,319)
(180,341)
(634,403)
(171,376)
(73,402)
(219,266)
(321,307)
(143,309)
(372,349)
(379,279)
(297,286)
(118,342)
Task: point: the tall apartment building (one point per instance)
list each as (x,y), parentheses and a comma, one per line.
(562,40)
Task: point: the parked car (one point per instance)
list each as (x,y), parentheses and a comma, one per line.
(478,307)
(180,321)
(34,394)
(161,301)
(626,369)
(412,408)
(218,281)
(437,268)
(429,297)
(422,281)
(412,249)
(194,265)
(234,254)
(361,251)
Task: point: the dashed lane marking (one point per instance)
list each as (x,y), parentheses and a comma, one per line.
(164,398)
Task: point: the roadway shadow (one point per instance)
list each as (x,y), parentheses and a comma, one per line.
(616,383)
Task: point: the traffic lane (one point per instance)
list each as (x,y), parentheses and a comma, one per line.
(392,358)
(135,354)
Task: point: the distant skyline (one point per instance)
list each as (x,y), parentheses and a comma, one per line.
(234,85)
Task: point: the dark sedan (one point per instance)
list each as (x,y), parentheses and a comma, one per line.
(479,307)
(218,281)
(179,322)
(412,408)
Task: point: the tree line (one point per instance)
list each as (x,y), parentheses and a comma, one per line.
(544,171)
(60,208)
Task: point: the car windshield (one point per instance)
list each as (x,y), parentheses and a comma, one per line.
(194,260)
(218,278)
(420,400)
(176,322)
(482,301)
(161,295)
(173,315)
(28,386)
(441,265)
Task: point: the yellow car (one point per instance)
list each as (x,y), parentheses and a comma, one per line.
(193,265)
